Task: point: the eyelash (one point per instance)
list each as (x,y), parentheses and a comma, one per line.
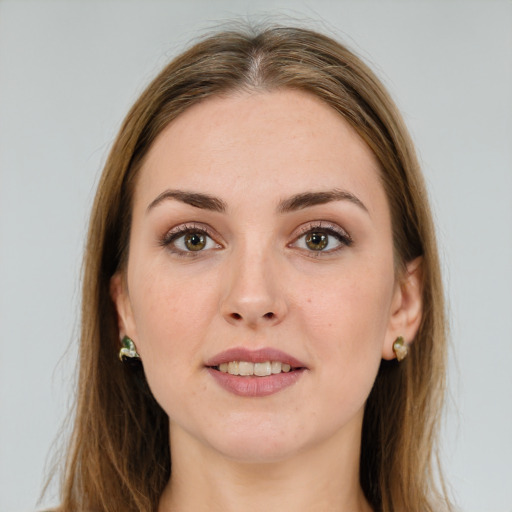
(180,231)
(326,228)
(329,229)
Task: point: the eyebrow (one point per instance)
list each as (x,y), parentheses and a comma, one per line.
(307,199)
(203,201)
(293,203)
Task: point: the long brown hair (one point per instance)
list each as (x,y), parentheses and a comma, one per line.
(119,457)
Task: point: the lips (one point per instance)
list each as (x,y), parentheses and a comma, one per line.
(255,373)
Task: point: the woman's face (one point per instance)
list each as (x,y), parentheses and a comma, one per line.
(261,238)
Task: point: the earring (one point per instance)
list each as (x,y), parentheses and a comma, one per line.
(400,349)
(128,349)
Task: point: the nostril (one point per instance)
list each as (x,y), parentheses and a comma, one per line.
(267,316)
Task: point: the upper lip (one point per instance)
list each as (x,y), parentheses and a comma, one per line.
(254,356)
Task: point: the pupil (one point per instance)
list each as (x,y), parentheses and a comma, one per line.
(195,241)
(316,241)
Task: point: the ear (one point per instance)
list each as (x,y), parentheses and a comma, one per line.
(121,299)
(406,308)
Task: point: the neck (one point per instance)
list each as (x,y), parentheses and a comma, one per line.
(325,477)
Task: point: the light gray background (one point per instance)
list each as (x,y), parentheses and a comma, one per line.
(69,72)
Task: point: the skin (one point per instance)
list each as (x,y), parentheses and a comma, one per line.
(258,284)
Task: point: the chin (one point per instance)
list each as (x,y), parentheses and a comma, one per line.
(264,442)
(258,449)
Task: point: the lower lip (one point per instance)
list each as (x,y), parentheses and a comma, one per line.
(252,386)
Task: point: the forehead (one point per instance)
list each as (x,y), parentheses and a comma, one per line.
(275,143)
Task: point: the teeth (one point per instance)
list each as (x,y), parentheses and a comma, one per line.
(247,368)
(276,367)
(262,369)
(233,368)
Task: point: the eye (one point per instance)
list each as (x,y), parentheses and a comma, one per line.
(193,241)
(322,238)
(317,241)
(186,240)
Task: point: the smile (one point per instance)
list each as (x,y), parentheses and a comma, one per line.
(255,373)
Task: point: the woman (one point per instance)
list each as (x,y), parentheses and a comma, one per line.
(261,257)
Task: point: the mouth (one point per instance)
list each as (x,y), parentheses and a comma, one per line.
(254,373)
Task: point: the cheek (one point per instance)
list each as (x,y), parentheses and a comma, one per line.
(171,317)
(171,314)
(353,305)
(170,310)
(346,322)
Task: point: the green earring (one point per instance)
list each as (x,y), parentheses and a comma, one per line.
(400,349)
(128,349)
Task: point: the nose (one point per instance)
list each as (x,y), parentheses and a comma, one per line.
(253,294)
